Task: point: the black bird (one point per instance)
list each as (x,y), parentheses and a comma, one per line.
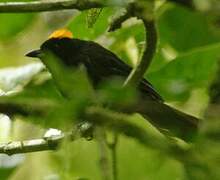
(101,64)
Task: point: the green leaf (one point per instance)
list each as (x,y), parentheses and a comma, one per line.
(185,29)
(192,70)
(12,24)
(42,104)
(114,95)
(122,36)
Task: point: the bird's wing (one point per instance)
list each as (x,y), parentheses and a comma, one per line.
(105,64)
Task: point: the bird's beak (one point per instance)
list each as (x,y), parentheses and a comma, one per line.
(34,54)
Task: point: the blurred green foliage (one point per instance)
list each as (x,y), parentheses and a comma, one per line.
(12,24)
(80,26)
(194,69)
(184,29)
(186,60)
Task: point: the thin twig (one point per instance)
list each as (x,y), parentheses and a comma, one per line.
(43,144)
(104,160)
(151,44)
(117,21)
(113,147)
(39,6)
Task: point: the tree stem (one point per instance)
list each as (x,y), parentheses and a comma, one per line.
(113,148)
(151,45)
(104,160)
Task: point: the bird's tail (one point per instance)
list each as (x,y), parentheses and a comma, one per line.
(170,120)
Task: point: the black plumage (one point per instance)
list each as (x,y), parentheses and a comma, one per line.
(101,64)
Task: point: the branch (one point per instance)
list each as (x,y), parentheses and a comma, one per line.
(186,3)
(34,145)
(116,122)
(137,10)
(40,6)
(151,39)
(44,144)
(118,20)
(119,123)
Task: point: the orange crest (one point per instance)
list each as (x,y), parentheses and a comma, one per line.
(61,33)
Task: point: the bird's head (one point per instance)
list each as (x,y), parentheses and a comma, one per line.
(61,44)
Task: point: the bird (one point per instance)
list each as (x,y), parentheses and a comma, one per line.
(101,65)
